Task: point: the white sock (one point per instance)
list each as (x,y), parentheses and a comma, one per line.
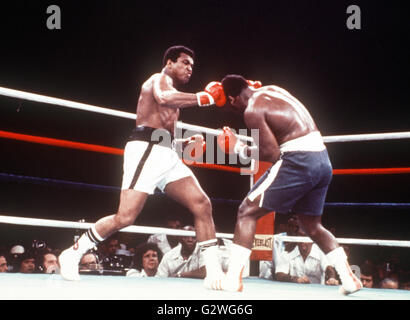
(338,259)
(239,257)
(87,241)
(209,250)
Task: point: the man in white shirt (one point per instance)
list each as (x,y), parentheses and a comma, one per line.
(184,260)
(306,264)
(166,242)
(280,248)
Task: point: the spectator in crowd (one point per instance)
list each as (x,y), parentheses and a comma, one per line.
(367,275)
(27,262)
(114,258)
(16,253)
(184,260)
(306,263)
(112,245)
(89,262)
(280,249)
(389,283)
(166,242)
(3,263)
(48,263)
(406,285)
(146,260)
(385,270)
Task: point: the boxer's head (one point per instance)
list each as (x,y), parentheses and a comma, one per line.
(234,85)
(178,61)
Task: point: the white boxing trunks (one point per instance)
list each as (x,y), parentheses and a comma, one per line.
(151,164)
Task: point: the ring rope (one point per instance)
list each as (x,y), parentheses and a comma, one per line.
(117,151)
(178,232)
(86,107)
(371,171)
(104,149)
(64,103)
(81,185)
(214,132)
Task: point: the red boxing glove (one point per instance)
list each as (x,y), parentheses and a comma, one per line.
(204,99)
(227,140)
(255,84)
(229,143)
(216,90)
(213,94)
(194,148)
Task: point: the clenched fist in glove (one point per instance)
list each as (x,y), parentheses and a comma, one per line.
(229,143)
(194,148)
(213,94)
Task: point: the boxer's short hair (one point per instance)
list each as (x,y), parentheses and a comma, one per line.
(174,52)
(233,84)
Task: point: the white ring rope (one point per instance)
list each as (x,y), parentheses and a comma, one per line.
(86,225)
(209,131)
(369,242)
(179,232)
(368,137)
(64,103)
(71,104)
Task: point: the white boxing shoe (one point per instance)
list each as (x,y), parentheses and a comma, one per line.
(351,285)
(233,283)
(69,261)
(214,282)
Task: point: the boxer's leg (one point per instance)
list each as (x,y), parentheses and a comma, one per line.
(328,244)
(131,204)
(189,193)
(248,214)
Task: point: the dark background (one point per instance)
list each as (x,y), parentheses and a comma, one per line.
(352,81)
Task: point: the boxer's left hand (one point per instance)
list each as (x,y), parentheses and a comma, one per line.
(194,147)
(228,142)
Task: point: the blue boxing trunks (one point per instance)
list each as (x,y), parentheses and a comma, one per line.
(298,181)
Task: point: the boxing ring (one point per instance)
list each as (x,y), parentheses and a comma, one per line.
(43,286)
(94,287)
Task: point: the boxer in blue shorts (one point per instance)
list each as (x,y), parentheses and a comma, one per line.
(296,183)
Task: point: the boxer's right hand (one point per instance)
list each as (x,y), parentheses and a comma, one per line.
(255,84)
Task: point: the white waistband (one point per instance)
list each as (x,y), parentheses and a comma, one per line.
(311,142)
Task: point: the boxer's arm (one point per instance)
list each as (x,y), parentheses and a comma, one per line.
(266,141)
(166,95)
(197,273)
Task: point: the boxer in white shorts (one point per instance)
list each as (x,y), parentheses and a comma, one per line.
(150,163)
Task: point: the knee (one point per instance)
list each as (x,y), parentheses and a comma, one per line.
(124,219)
(202,206)
(244,211)
(311,226)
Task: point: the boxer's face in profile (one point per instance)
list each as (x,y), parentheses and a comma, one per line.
(181,69)
(237,103)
